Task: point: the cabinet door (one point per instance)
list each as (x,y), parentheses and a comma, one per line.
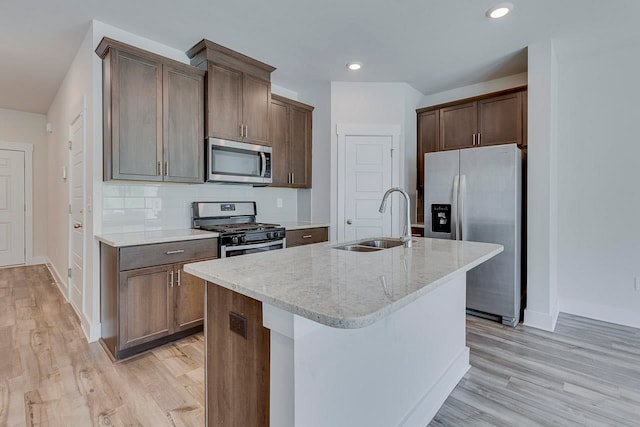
(525,118)
(189,300)
(136,102)
(146,305)
(428,125)
(500,120)
(183,107)
(224,102)
(458,124)
(255,109)
(300,147)
(279,132)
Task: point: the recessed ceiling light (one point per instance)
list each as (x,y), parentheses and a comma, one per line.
(354,66)
(500,10)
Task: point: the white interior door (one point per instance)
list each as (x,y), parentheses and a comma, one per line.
(367,175)
(12,207)
(76,214)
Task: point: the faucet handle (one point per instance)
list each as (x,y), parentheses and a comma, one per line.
(349,222)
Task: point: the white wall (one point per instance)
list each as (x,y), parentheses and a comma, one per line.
(470,91)
(314,204)
(65,106)
(542,294)
(598,185)
(18,126)
(380,103)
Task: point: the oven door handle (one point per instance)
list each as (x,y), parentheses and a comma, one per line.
(263,158)
(227,249)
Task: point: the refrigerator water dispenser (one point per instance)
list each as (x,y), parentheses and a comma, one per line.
(440,218)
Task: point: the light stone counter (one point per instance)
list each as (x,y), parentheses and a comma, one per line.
(301,225)
(343,289)
(118,240)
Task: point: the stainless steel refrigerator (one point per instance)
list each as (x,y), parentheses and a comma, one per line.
(475,194)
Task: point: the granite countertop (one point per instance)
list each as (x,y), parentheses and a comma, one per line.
(118,240)
(345,289)
(301,225)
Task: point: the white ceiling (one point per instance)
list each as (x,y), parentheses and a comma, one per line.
(433,45)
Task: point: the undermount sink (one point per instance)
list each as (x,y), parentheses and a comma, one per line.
(371,245)
(382,243)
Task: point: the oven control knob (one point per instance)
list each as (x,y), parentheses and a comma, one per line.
(243,239)
(234,240)
(270,235)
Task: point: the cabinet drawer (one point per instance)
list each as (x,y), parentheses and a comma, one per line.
(307,236)
(167,253)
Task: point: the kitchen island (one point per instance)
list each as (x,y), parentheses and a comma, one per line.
(318,336)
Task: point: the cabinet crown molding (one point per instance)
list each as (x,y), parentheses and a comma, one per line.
(472,99)
(206,50)
(106,44)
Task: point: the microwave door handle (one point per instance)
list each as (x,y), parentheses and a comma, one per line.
(263,158)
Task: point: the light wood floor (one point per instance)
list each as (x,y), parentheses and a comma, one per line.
(587,373)
(49,375)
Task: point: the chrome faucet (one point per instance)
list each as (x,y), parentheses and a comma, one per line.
(406,236)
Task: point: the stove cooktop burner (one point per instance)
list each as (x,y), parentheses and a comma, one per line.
(235,228)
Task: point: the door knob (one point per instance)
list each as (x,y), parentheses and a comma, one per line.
(77,225)
(349,222)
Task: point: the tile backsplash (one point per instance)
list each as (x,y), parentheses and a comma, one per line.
(147,207)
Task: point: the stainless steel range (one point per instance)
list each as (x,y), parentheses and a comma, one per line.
(240,234)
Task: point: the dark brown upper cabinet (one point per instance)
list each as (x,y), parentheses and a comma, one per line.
(238,93)
(500,120)
(291,129)
(493,119)
(153,116)
(428,137)
(458,126)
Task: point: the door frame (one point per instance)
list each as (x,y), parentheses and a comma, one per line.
(27,149)
(80,115)
(338,173)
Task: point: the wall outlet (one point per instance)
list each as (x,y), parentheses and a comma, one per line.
(279,204)
(637,283)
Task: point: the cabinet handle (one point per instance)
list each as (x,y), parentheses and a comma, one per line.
(479,139)
(158,170)
(179,277)
(246,131)
(178,251)
(473,138)
(172,278)
(293,178)
(241,130)
(307,236)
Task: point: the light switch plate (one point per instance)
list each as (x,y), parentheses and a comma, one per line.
(637,283)
(279,202)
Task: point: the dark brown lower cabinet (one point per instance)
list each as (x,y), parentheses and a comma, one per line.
(307,236)
(188,306)
(237,360)
(145,306)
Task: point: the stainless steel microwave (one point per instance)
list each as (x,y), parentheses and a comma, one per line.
(238,162)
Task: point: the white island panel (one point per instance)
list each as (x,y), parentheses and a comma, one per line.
(395,372)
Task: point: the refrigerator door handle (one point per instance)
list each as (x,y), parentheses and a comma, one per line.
(454,208)
(463,190)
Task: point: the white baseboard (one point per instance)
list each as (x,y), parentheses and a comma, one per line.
(539,320)
(431,402)
(93,332)
(62,285)
(601,312)
(36,260)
